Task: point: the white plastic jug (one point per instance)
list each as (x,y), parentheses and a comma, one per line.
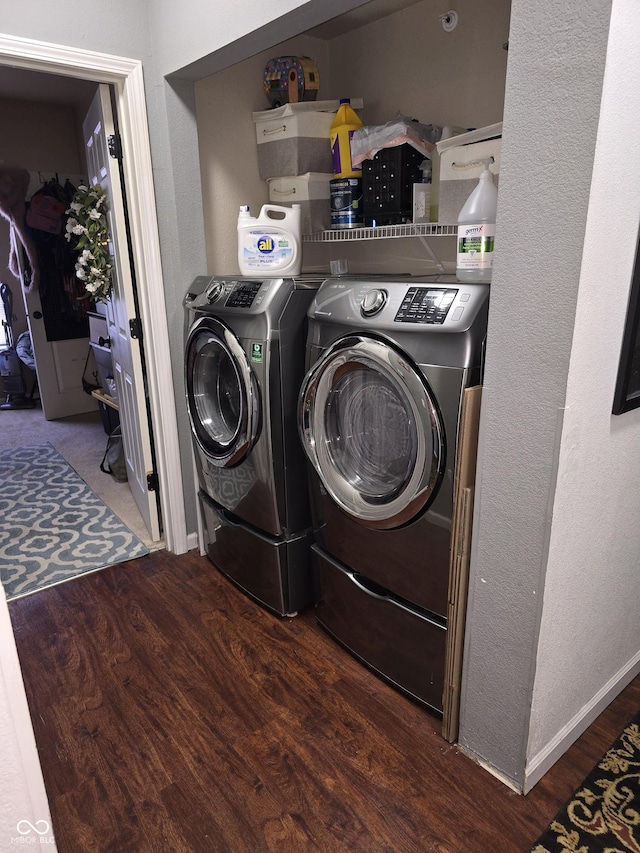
(477,231)
(269,244)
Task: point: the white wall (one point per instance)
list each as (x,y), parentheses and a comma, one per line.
(121,28)
(589,629)
(23,794)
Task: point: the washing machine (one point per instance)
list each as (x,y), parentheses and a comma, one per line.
(244,363)
(379,417)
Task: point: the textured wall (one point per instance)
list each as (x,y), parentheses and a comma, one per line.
(407,63)
(589,630)
(554,81)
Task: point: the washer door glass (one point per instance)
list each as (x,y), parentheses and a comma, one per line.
(373,432)
(222,395)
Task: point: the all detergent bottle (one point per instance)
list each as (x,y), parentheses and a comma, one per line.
(476,231)
(269,244)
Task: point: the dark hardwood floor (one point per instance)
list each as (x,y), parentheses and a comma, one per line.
(173,714)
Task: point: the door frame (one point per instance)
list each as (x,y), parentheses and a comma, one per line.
(125,75)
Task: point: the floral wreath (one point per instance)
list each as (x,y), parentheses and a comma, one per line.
(87,222)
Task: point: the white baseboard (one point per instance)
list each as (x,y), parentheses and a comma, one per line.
(192,541)
(547,757)
(490,769)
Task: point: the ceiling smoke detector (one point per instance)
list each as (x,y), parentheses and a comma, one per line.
(449,20)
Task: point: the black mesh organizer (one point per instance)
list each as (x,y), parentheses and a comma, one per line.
(387,185)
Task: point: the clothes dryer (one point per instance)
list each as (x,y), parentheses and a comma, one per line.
(379,416)
(244,362)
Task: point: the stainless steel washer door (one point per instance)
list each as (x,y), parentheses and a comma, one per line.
(372,430)
(222,394)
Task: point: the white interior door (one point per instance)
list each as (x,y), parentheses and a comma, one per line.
(59,364)
(126,355)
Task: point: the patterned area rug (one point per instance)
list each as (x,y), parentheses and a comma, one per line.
(53,527)
(604,814)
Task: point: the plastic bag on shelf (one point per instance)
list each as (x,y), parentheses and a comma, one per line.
(367,141)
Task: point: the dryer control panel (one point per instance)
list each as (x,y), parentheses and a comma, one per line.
(439,305)
(425,305)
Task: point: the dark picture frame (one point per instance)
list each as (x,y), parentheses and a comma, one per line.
(627,392)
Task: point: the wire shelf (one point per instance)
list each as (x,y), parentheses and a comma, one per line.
(383,232)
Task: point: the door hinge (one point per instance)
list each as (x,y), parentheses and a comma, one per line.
(152,482)
(135,328)
(115,146)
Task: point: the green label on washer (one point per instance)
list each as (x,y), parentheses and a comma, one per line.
(256,353)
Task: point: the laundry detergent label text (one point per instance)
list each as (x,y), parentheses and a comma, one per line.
(263,251)
(266,244)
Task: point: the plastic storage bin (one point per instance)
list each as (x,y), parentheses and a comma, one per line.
(311,192)
(104,364)
(97,327)
(461,166)
(387,185)
(294,139)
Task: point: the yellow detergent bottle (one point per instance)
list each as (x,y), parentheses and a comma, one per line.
(345,123)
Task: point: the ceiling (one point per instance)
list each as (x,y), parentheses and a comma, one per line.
(371,11)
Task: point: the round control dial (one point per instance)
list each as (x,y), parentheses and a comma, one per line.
(214,291)
(373,301)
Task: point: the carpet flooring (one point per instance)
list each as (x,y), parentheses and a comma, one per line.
(53,527)
(603,816)
(81,440)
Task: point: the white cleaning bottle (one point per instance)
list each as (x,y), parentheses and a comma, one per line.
(269,244)
(476,231)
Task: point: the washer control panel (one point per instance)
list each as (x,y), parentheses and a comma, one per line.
(237,296)
(234,293)
(243,294)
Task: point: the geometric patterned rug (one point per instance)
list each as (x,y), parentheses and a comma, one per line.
(53,527)
(603,816)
